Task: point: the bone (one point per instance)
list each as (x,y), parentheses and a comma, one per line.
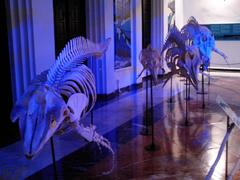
(151,61)
(202,38)
(77,102)
(182,59)
(58,99)
(90,134)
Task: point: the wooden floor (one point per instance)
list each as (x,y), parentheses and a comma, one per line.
(182,153)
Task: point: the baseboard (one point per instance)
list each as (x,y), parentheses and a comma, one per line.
(224,69)
(106,97)
(133,87)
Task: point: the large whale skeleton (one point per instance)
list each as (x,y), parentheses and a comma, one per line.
(58,99)
(189,48)
(202,38)
(181,59)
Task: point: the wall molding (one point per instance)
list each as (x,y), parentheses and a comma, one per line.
(31,41)
(157,23)
(95,31)
(21,45)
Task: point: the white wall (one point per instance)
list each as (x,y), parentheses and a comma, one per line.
(109,32)
(128,76)
(232,50)
(99,27)
(213,12)
(179,14)
(166,12)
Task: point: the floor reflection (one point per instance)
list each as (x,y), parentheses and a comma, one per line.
(185,152)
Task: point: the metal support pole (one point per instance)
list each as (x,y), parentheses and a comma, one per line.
(203,98)
(189,91)
(171,100)
(185,122)
(186,104)
(226,161)
(145,130)
(152,146)
(152,115)
(53,159)
(209,79)
(203,91)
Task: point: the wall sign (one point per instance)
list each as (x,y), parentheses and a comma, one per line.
(122,33)
(225,31)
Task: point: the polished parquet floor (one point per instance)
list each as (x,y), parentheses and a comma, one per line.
(183,152)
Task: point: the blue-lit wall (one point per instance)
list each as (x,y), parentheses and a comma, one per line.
(31,41)
(43,34)
(31,37)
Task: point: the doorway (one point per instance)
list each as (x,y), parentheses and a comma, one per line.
(69,21)
(146,23)
(8,131)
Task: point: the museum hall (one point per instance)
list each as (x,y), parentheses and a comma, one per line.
(120,89)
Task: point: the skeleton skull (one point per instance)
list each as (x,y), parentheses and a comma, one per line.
(40,113)
(151,61)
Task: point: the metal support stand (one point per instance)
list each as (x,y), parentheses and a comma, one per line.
(189,92)
(152,146)
(203,91)
(188,88)
(92,117)
(53,159)
(145,132)
(186,104)
(203,98)
(226,161)
(170,100)
(185,122)
(209,79)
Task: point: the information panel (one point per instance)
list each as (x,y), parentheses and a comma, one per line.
(225,31)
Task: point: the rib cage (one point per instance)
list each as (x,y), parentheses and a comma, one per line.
(173,37)
(189,30)
(75,82)
(69,75)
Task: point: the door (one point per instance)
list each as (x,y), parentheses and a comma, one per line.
(8,131)
(146,23)
(69,20)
